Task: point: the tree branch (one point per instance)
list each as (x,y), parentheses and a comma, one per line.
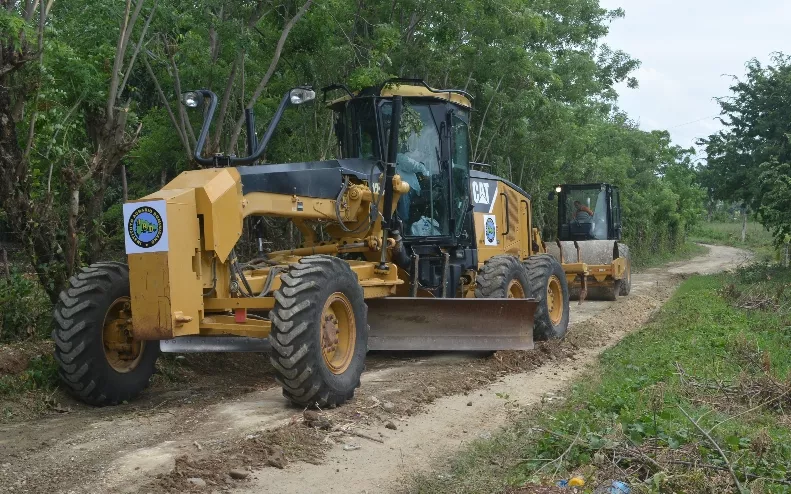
(127,26)
(483,120)
(717,446)
(271,70)
(183,119)
(128,70)
(182,136)
(55,137)
(226,98)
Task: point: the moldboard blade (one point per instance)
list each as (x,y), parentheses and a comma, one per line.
(456,324)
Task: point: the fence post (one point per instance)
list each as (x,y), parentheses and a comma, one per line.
(6,268)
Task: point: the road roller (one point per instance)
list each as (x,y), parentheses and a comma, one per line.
(588,244)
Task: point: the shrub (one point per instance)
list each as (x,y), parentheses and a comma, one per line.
(25,310)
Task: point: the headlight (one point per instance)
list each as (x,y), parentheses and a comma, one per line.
(301,95)
(191,99)
(558,189)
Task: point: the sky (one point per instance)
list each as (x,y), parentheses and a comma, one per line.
(689,49)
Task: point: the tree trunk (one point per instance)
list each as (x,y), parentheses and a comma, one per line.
(13,173)
(124,186)
(72,245)
(94,213)
(744,224)
(6,269)
(45,256)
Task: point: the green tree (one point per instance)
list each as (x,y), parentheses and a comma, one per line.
(748,160)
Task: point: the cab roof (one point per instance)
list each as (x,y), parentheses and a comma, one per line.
(409,88)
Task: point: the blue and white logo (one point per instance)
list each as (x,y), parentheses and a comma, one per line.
(489,230)
(146,227)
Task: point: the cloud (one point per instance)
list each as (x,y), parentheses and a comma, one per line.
(687,48)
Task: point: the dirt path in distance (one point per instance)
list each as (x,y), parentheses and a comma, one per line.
(231,417)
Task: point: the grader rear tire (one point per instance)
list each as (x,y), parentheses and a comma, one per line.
(98,360)
(547,284)
(319,332)
(502,277)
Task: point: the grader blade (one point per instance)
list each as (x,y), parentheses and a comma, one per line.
(468,324)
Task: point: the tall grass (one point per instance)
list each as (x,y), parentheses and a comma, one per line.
(729,233)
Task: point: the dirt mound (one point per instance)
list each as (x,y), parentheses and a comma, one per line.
(227,467)
(14,358)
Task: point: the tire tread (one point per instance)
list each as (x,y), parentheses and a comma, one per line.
(293,336)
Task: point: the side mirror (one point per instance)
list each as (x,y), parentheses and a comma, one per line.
(192,99)
(300,95)
(551,195)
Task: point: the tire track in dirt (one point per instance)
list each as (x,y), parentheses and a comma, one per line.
(429,438)
(424,395)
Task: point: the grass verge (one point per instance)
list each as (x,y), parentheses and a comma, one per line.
(688,250)
(694,402)
(757,238)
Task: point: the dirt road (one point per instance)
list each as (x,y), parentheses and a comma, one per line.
(410,412)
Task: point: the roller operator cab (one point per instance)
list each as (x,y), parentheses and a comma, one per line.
(404,247)
(589,212)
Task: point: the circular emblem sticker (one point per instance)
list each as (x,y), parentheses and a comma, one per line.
(145,227)
(490,230)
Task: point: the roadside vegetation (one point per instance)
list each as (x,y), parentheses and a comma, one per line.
(729,233)
(657,257)
(93,115)
(697,401)
(757,238)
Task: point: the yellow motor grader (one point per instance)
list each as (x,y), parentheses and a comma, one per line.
(425,254)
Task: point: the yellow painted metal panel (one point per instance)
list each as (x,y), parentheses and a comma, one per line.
(410,91)
(167,287)
(261,303)
(150,286)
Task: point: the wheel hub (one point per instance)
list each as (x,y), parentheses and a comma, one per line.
(338,333)
(515,290)
(329,333)
(121,350)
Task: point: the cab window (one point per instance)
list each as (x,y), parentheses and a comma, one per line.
(356,130)
(423,211)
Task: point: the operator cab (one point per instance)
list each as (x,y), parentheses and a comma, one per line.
(433,153)
(435,216)
(588,212)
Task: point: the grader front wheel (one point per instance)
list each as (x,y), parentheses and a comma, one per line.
(319,332)
(99,360)
(122,352)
